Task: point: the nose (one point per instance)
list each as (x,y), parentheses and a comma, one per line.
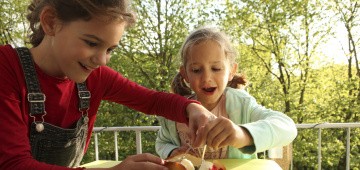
(101,59)
(206,76)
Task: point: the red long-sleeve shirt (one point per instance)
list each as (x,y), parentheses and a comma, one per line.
(62,106)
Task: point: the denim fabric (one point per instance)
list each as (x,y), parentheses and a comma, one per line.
(59,146)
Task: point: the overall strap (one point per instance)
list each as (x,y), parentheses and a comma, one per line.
(35,97)
(84,96)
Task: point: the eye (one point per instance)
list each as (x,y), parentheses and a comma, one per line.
(90,43)
(195,70)
(216,69)
(108,51)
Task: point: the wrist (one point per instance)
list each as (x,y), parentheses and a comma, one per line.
(248,137)
(169,155)
(245,138)
(189,109)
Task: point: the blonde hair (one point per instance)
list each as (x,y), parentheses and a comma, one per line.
(178,84)
(204,34)
(71,10)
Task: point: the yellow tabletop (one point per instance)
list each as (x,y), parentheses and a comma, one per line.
(230,164)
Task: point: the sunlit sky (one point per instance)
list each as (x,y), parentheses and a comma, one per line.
(335,46)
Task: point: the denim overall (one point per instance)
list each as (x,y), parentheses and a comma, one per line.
(52,144)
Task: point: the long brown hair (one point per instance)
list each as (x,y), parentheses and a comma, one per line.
(71,10)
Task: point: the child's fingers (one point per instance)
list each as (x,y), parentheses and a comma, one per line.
(219,131)
(145,157)
(211,131)
(200,137)
(226,142)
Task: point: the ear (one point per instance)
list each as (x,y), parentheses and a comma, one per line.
(48,20)
(233,71)
(183,74)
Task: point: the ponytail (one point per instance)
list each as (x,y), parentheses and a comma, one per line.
(239,81)
(178,86)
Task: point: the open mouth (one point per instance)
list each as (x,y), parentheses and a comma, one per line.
(210,89)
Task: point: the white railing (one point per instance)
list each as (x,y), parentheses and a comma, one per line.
(326,125)
(139,129)
(116,130)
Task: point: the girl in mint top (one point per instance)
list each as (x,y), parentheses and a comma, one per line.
(242,127)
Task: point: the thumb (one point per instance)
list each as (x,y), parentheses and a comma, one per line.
(199,137)
(193,130)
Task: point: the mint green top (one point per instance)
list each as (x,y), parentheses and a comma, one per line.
(268,128)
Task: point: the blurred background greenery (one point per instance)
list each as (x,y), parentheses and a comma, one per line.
(301,57)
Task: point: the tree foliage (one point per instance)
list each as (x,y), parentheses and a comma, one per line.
(12,22)
(284,37)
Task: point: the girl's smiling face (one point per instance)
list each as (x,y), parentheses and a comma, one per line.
(82,46)
(208,71)
(74,49)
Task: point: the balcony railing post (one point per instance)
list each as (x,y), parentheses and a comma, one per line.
(116,145)
(96,147)
(138,142)
(348,149)
(319,149)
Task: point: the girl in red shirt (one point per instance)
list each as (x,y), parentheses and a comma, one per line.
(51,92)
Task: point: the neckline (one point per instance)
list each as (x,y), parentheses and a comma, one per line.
(42,74)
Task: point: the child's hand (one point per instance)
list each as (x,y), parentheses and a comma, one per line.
(199,116)
(222,132)
(182,150)
(141,161)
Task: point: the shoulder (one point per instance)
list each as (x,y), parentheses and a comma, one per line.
(238,94)
(7,54)
(6,49)
(238,101)
(11,73)
(9,62)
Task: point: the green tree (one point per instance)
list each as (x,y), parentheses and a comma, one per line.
(278,43)
(13,22)
(348,14)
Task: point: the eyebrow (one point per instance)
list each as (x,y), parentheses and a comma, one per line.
(214,62)
(93,37)
(98,39)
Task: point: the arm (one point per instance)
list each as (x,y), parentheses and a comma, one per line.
(270,128)
(250,127)
(138,162)
(126,92)
(267,127)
